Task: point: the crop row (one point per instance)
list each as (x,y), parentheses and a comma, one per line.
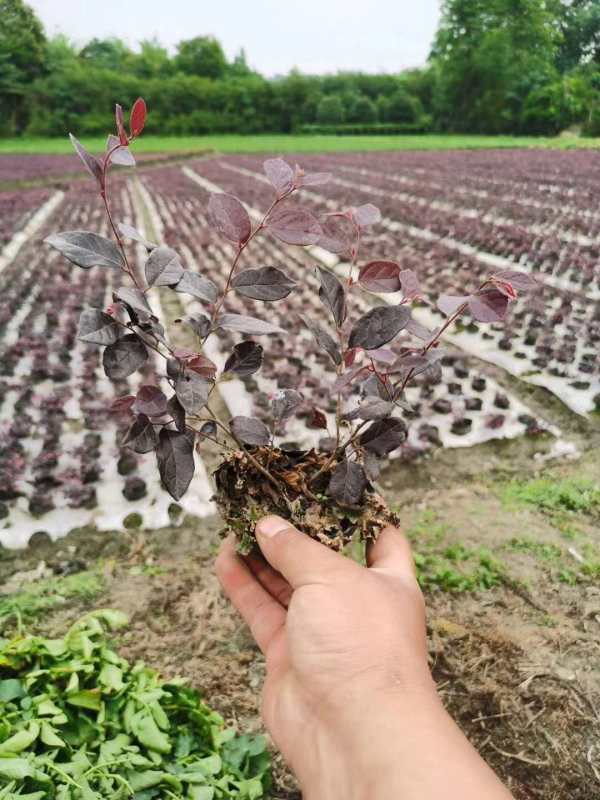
(550,339)
(61,464)
(461,408)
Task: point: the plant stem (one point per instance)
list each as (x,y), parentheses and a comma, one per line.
(103,194)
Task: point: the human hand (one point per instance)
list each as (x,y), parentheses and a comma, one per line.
(348,697)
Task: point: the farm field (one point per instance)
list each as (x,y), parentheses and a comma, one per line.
(498,483)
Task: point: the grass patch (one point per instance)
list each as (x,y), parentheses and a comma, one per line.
(43,596)
(451,566)
(576,495)
(543,550)
(289,143)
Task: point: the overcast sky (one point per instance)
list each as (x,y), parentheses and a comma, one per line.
(313,35)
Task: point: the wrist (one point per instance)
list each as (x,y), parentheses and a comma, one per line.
(398,746)
(359,755)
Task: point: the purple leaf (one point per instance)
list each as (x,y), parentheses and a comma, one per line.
(177,411)
(192,391)
(175,458)
(90,162)
(418,330)
(197,286)
(124,357)
(379,326)
(372,407)
(520,281)
(163,267)
(141,436)
(449,304)
(384,436)
(284,403)
(95,327)
(411,288)
(348,483)
(150,401)
(228,216)
(382,355)
(313,178)
(263,283)
(249,325)
(280,175)
(332,294)
(380,276)
(199,323)
(325,341)
(366,215)
(86,249)
(246,359)
(379,385)
(338,234)
(372,465)
(250,430)
(209,429)
(489,305)
(134,298)
(294,225)
(122,156)
(129,232)
(349,377)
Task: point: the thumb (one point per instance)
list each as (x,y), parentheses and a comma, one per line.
(300,559)
(391,552)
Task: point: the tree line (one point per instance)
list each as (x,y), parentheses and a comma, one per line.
(496,66)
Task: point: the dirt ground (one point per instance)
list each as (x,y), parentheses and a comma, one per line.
(511,571)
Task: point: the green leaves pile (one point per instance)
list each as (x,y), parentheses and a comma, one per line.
(77,722)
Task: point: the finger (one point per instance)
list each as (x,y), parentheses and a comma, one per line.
(300,559)
(263,614)
(392,552)
(275,584)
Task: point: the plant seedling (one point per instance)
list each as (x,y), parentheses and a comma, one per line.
(328,491)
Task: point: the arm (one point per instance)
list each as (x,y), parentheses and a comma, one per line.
(348,697)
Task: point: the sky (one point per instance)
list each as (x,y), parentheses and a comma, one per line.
(316,36)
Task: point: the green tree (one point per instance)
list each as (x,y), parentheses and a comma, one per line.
(202,56)
(107,54)
(489,55)
(579,22)
(22,60)
(153,60)
(330,110)
(403,108)
(362,110)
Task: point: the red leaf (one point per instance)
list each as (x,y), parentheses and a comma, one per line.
(380,276)
(488,305)
(137,119)
(317,420)
(121,404)
(350,356)
(203,366)
(120,124)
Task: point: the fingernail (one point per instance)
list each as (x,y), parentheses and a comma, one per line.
(271,526)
